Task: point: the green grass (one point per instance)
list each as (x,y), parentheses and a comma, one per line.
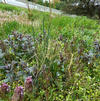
(8,27)
(33,14)
(79,33)
(67,26)
(7,7)
(64,25)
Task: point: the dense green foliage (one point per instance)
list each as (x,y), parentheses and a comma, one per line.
(63,58)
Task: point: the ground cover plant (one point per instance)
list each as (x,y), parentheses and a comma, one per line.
(57,61)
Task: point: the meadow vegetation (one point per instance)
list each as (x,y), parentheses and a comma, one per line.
(58,60)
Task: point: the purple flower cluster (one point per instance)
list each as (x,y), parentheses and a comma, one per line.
(18,94)
(19,91)
(4,88)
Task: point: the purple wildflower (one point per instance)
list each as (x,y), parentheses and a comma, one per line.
(28,84)
(18,94)
(4,88)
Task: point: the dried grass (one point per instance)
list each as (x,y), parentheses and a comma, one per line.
(22,18)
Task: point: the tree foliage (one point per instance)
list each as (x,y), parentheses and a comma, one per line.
(84,7)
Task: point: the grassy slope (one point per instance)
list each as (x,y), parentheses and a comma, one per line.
(9,26)
(59,24)
(82,28)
